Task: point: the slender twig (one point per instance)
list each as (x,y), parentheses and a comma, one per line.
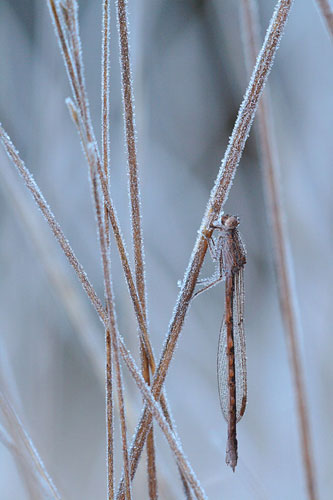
(136,226)
(106,104)
(115,348)
(23,442)
(107,284)
(172,439)
(54,225)
(79,315)
(83,123)
(84,131)
(327,13)
(283,265)
(217,199)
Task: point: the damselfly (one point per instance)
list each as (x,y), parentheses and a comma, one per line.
(228,252)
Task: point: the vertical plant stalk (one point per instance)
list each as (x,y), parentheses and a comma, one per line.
(79,315)
(115,347)
(110,417)
(217,199)
(134,191)
(106,104)
(172,439)
(25,448)
(66,29)
(109,375)
(327,13)
(283,264)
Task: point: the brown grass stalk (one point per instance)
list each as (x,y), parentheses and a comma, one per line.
(78,314)
(131,365)
(327,13)
(51,220)
(283,265)
(115,349)
(105,92)
(22,446)
(107,284)
(215,204)
(81,118)
(136,226)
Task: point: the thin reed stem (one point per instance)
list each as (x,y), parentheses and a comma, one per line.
(136,226)
(106,104)
(81,117)
(51,220)
(22,442)
(217,199)
(107,285)
(79,315)
(115,348)
(75,114)
(145,390)
(327,13)
(282,259)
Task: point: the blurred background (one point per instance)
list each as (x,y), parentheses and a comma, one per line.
(189,78)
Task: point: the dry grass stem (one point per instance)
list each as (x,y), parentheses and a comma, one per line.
(283,265)
(145,390)
(327,13)
(105,93)
(134,191)
(55,227)
(85,132)
(21,444)
(109,375)
(217,199)
(78,314)
(112,327)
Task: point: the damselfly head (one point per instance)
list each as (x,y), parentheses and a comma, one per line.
(230,221)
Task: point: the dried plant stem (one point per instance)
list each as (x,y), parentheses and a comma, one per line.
(217,199)
(80,115)
(327,14)
(106,104)
(55,227)
(115,348)
(146,391)
(283,265)
(125,264)
(107,284)
(134,192)
(81,118)
(22,443)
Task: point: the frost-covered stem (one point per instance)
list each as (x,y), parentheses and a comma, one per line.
(134,295)
(282,258)
(112,327)
(327,13)
(164,425)
(69,65)
(146,391)
(87,136)
(126,267)
(105,103)
(217,199)
(105,159)
(23,441)
(110,416)
(55,227)
(74,35)
(74,305)
(127,94)
(131,152)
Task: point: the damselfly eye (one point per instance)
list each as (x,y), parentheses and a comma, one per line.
(230,221)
